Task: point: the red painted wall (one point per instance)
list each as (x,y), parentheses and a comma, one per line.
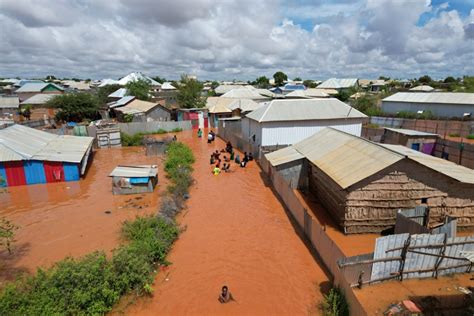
(53,171)
(15,173)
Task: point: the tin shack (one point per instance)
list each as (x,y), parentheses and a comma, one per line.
(134,179)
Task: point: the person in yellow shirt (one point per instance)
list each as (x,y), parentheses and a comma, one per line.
(216,170)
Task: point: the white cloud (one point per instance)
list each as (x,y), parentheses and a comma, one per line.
(231,39)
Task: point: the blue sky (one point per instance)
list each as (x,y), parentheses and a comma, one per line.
(463,7)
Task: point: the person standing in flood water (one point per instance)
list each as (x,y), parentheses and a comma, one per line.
(225,296)
(199,133)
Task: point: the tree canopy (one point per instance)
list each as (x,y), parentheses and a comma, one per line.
(103,92)
(189,93)
(297,79)
(280,77)
(262,82)
(140,89)
(309,84)
(425,79)
(75,107)
(159,79)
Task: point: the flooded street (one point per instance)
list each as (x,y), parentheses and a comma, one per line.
(237,234)
(69,218)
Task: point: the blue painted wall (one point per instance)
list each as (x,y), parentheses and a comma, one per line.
(3,176)
(71,171)
(34,172)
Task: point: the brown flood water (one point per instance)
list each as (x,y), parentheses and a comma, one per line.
(61,219)
(237,234)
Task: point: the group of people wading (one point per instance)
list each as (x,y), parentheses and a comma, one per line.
(221,160)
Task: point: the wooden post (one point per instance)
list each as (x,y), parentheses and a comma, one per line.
(403,257)
(440,259)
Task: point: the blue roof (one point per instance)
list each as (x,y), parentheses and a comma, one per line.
(293,87)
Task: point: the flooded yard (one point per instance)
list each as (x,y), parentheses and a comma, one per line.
(72,218)
(237,234)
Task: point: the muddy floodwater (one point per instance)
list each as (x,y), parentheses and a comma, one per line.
(72,218)
(237,234)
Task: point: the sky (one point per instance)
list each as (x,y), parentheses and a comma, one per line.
(241,39)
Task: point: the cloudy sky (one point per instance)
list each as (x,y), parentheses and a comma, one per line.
(237,39)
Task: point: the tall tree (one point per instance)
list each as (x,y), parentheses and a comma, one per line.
(140,89)
(297,79)
(280,77)
(189,93)
(309,84)
(425,79)
(159,79)
(75,107)
(262,82)
(103,92)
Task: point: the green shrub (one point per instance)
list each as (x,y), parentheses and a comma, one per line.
(176,130)
(93,284)
(470,136)
(335,304)
(454,135)
(131,140)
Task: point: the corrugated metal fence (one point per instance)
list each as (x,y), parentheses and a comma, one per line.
(134,128)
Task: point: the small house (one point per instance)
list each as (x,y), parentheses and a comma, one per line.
(9,107)
(416,140)
(30,89)
(134,179)
(143,111)
(339,84)
(197,116)
(38,108)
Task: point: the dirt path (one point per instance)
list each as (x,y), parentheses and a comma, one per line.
(237,234)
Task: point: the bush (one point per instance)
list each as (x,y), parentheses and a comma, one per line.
(454,135)
(334,303)
(470,136)
(131,140)
(93,284)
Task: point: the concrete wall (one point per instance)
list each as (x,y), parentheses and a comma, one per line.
(134,128)
(441,110)
(159,114)
(295,173)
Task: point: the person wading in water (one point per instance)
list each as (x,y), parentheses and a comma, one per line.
(225,296)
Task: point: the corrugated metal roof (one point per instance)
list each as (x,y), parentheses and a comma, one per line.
(308,93)
(137,106)
(9,102)
(243,93)
(445,167)
(409,132)
(6,154)
(135,76)
(120,93)
(219,104)
(121,102)
(328,91)
(424,88)
(40,98)
(106,82)
(346,158)
(224,88)
(336,83)
(304,110)
(33,144)
(167,86)
(433,97)
(283,156)
(37,87)
(245,105)
(135,171)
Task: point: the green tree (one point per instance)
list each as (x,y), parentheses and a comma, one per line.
(189,93)
(384,78)
(75,107)
(214,85)
(140,89)
(449,80)
(343,95)
(7,234)
(309,84)
(297,79)
(26,112)
(103,92)
(262,82)
(280,77)
(159,79)
(425,79)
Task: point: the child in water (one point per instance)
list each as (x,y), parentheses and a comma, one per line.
(199,133)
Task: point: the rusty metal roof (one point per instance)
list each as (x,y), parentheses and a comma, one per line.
(283,156)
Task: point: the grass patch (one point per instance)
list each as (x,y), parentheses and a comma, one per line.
(454,135)
(137,139)
(335,304)
(93,284)
(470,136)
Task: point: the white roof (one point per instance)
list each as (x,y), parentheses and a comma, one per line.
(335,83)
(9,102)
(107,82)
(143,171)
(224,88)
(37,87)
(137,106)
(219,104)
(243,93)
(40,98)
(410,132)
(135,76)
(121,102)
(283,156)
(448,168)
(433,97)
(120,93)
(304,110)
(308,93)
(19,142)
(424,88)
(167,86)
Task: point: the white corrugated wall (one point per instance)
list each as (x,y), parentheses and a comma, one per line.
(288,133)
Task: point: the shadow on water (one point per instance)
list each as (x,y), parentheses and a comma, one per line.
(298,230)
